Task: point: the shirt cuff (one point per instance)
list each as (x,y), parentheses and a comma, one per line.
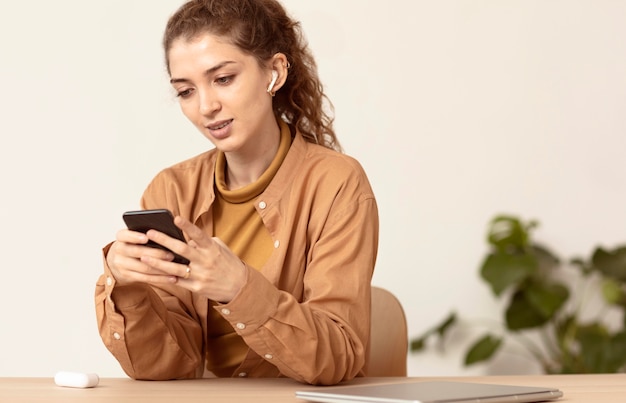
(253,306)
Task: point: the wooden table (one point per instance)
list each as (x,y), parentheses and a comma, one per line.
(576,388)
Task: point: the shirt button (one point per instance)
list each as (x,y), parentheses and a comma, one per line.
(262,205)
(240,326)
(242,374)
(226,311)
(116,336)
(276,244)
(269,356)
(109,281)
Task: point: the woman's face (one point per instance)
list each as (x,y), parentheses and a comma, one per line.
(223,92)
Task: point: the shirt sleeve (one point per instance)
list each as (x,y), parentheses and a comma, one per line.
(152,332)
(322,339)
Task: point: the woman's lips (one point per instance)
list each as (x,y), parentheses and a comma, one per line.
(220,129)
(219,125)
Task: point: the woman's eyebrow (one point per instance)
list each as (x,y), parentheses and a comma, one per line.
(206,73)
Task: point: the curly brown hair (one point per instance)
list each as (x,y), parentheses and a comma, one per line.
(262,28)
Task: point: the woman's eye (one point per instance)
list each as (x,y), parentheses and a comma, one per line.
(184,93)
(224,80)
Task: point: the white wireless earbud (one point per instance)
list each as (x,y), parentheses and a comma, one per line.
(274,78)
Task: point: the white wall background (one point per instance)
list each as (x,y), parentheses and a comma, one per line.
(458,110)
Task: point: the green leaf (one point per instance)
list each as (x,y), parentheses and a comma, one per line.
(545,298)
(584,267)
(546,259)
(419,343)
(617,353)
(521,314)
(613,293)
(507,232)
(565,328)
(600,351)
(589,348)
(565,331)
(443,328)
(611,263)
(483,349)
(503,270)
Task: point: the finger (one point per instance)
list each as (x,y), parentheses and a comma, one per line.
(128,269)
(220,242)
(187,273)
(166,241)
(151,278)
(168,268)
(137,251)
(134,237)
(195,234)
(127,255)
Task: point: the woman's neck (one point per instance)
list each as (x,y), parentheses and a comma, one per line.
(246,166)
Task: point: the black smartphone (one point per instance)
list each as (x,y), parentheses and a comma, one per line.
(161,220)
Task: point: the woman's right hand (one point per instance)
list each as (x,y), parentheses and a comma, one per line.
(124,259)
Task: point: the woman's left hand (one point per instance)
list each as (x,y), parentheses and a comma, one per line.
(213,270)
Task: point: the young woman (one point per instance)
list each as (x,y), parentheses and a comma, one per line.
(281,227)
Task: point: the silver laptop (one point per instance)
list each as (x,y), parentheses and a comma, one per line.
(429,392)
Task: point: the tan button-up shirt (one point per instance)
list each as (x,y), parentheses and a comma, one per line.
(305,314)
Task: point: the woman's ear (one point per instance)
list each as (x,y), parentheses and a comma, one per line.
(270,88)
(280,70)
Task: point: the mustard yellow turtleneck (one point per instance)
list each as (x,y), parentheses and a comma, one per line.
(237,224)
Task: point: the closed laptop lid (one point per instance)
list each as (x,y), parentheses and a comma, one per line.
(430,392)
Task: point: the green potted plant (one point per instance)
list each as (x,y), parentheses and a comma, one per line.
(539,298)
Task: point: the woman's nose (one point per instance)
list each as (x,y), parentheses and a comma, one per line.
(209,104)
